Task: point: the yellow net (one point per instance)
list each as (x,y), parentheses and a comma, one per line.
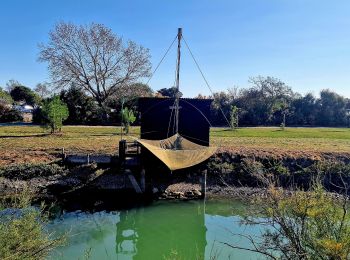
(176,152)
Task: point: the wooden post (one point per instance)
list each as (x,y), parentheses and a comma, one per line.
(177,95)
(204,184)
(63,154)
(122,150)
(143,180)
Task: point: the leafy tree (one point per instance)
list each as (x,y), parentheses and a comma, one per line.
(22,93)
(134,91)
(5,97)
(82,108)
(128,95)
(168,92)
(8,114)
(200,96)
(221,107)
(269,101)
(94,59)
(234,117)
(268,93)
(128,118)
(281,108)
(55,112)
(332,109)
(271,87)
(304,110)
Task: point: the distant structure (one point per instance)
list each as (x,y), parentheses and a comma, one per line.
(157,119)
(26,112)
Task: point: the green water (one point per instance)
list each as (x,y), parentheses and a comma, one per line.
(162,230)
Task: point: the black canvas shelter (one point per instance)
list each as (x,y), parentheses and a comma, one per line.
(157,119)
(176,130)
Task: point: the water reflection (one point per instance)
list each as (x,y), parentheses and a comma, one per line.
(189,230)
(153,232)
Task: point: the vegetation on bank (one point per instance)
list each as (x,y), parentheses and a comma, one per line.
(326,230)
(28,171)
(22,231)
(258,171)
(301,225)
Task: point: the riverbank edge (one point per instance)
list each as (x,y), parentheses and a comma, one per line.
(230,174)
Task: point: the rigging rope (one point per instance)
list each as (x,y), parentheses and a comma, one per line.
(205,80)
(155,70)
(171,114)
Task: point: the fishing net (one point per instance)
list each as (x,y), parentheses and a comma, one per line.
(176,152)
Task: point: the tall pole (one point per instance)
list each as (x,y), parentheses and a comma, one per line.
(122,120)
(177,95)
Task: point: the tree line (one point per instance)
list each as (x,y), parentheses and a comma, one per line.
(268,101)
(96,74)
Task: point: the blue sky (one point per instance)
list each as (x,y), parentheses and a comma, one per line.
(305,43)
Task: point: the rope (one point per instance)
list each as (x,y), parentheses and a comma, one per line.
(171,114)
(155,70)
(201,140)
(151,107)
(198,111)
(205,80)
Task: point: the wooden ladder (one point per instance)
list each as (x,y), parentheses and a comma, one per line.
(129,158)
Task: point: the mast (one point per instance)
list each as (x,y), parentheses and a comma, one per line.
(177,94)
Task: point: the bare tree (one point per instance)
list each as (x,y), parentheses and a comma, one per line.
(93,58)
(12,83)
(42,89)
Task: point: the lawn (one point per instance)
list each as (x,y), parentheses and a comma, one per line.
(32,143)
(297,140)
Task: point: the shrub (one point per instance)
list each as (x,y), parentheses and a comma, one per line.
(128,118)
(301,225)
(38,116)
(28,171)
(55,112)
(22,232)
(9,115)
(332,174)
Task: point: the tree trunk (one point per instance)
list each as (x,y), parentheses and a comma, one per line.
(104,111)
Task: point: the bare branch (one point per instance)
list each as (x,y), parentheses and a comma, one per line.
(93,58)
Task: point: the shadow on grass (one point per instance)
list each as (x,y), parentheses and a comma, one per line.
(23,136)
(226,130)
(334,131)
(113,134)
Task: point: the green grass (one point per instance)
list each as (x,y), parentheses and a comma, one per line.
(275,132)
(24,143)
(291,141)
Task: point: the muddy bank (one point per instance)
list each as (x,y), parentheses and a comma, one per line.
(228,174)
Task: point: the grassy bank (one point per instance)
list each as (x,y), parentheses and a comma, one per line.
(33,144)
